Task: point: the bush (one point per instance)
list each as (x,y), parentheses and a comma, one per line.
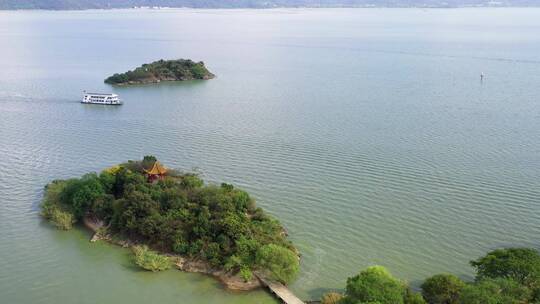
(442,289)
(246,274)
(150,260)
(331,298)
(375,284)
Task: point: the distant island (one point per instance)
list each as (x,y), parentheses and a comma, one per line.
(162,70)
(172,218)
(107,4)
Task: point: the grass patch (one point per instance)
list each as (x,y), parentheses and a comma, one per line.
(150,260)
(60,219)
(53,211)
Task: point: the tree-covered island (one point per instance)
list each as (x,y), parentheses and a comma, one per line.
(162,70)
(169,217)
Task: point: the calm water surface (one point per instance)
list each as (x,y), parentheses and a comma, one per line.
(366,132)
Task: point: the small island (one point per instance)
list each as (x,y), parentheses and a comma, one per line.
(171,218)
(163,70)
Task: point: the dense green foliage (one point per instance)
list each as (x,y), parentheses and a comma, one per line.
(442,289)
(413,297)
(54,212)
(279,261)
(504,276)
(376,285)
(181,69)
(180,214)
(495,291)
(150,260)
(519,264)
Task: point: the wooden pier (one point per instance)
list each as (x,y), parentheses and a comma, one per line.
(280,291)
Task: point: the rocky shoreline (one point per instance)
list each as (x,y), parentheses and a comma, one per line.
(159,80)
(230,281)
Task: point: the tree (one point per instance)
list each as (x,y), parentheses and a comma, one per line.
(148,161)
(107,179)
(212,253)
(190,181)
(246,251)
(375,284)
(234,225)
(442,289)
(495,291)
(281,262)
(199,71)
(80,194)
(132,210)
(519,264)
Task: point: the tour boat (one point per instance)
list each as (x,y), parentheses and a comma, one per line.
(100,98)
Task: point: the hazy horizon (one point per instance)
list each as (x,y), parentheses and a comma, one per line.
(106,4)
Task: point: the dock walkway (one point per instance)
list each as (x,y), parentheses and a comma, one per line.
(281,291)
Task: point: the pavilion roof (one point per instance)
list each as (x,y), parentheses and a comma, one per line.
(157,169)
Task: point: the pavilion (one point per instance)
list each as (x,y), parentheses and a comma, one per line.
(156,172)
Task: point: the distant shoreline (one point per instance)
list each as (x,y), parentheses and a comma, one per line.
(259,8)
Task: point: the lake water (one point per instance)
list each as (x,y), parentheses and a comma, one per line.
(367,132)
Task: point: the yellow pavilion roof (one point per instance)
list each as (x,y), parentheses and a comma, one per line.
(157,169)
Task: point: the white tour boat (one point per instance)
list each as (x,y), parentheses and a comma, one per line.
(100,98)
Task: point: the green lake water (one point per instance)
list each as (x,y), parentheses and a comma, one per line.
(367,132)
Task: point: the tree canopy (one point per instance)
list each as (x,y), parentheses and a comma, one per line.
(495,291)
(279,261)
(374,284)
(519,264)
(442,289)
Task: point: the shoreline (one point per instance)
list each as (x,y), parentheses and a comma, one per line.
(156,81)
(310,8)
(230,282)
